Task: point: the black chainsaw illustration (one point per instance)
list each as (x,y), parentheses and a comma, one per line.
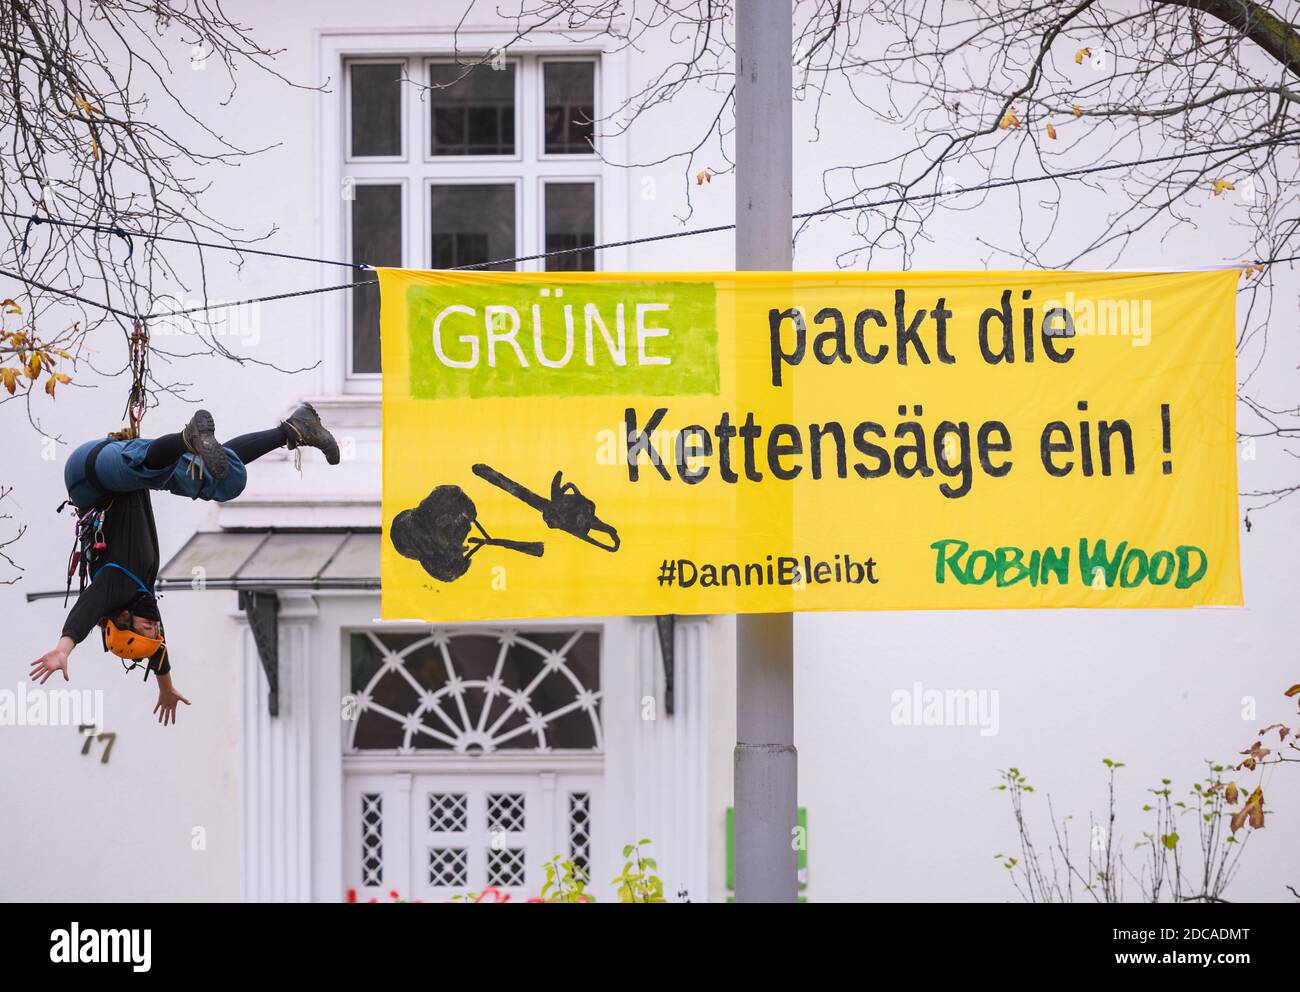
(567,509)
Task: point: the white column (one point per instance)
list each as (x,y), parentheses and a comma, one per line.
(671,800)
(276,768)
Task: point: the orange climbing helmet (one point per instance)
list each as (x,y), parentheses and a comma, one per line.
(132,646)
(128,643)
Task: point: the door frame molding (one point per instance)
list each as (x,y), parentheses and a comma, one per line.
(485,764)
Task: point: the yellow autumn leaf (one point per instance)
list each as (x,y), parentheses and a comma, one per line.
(1220,185)
(1293,691)
(10,306)
(34,367)
(1078,112)
(1230,794)
(50,383)
(94,147)
(703,176)
(1051,132)
(87,108)
(1009,119)
(9,379)
(1254,808)
(1082,54)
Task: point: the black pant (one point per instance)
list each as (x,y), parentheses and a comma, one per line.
(166,450)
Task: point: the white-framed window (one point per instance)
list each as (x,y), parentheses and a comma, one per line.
(490,161)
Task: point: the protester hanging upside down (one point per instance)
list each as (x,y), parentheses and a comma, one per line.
(109,483)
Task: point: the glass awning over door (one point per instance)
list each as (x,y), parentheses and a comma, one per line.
(269,559)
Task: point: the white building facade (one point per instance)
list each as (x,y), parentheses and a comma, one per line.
(432,761)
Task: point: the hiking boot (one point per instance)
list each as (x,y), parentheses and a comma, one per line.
(304,430)
(200,440)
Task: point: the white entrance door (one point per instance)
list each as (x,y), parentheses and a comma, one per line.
(474,757)
(432,835)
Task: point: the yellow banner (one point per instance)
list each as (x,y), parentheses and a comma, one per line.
(582,444)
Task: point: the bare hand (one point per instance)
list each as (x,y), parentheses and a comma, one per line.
(166,707)
(47,664)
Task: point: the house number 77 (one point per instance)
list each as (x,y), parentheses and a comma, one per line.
(88,729)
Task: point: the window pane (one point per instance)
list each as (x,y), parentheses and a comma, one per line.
(539,672)
(474,114)
(376,240)
(570,104)
(570,223)
(472,224)
(376,109)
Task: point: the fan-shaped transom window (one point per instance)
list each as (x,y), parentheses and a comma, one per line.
(476,691)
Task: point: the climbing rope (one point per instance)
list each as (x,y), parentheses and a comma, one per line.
(137,398)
